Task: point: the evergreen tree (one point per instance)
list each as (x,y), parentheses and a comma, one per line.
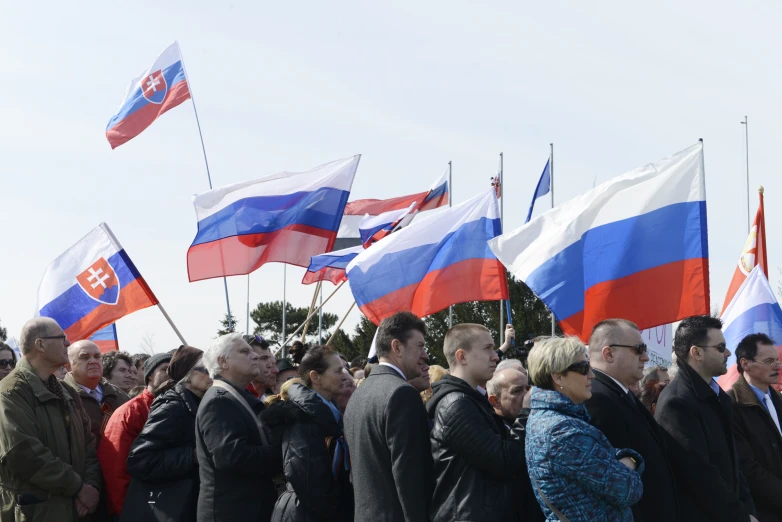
(225,328)
(268,317)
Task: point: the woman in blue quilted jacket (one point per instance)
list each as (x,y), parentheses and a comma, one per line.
(576,474)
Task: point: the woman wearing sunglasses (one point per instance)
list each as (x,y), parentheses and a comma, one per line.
(7,360)
(162,460)
(576,474)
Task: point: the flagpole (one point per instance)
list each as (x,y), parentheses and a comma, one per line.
(284,300)
(208,174)
(340,323)
(320,315)
(502,200)
(291,336)
(746,148)
(551,184)
(450,204)
(247,328)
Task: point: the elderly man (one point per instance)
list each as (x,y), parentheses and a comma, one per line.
(387,429)
(99,397)
(235,456)
(123,427)
(49,470)
(757,408)
(655,374)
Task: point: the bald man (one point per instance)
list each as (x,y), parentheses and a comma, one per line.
(99,396)
(49,471)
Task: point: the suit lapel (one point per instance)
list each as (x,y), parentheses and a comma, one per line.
(638,409)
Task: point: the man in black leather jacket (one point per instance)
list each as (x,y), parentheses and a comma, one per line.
(476,458)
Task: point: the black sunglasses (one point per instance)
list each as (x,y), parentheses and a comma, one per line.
(7,363)
(720,347)
(582,367)
(639,349)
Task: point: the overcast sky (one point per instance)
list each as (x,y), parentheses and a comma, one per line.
(410,85)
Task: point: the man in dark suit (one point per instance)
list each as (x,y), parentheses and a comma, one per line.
(387,429)
(618,354)
(757,410)
(696,413)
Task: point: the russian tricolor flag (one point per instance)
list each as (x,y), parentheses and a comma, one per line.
(106,338)
(91,285)
(362,213)
(634,247)
(157,89)
(433,263)
(330,266)
(286,218)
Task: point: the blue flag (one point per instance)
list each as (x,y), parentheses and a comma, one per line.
(543,188)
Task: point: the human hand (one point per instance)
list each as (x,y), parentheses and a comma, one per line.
(752,519)
(81,509)
(510,332)
(627,461)
(88,497)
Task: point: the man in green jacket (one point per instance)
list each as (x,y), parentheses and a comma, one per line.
(48,467)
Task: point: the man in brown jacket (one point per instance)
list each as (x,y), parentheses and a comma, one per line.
(99,397)
(48,467)
(757,410)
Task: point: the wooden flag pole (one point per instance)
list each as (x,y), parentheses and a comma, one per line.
(312,314)
(340,323)
(312,306)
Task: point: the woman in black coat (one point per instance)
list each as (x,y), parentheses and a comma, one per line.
(314,452)
(165,451)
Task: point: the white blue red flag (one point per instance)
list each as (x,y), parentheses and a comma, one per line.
(359,212)
(433,263)
(330,266)
(106,338)
(157,89)
(634,247)
(285,218)
(91,285)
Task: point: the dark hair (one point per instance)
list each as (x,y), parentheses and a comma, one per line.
(110,359)
(136,390)
(4,346)
(368,369)
(693,331)
(400,327)
(297,351)
(139,359)
(650,393)
(256,340)
(748,347)
(358,362)
(315,358)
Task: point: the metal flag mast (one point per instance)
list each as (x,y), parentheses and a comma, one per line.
(450,204)
(551,184)
(502,199)
(208,175)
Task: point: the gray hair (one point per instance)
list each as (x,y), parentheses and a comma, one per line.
(553,355)
(514,364)
(496,384)
(35,329)
(220,348)
(604,333)
(650,374)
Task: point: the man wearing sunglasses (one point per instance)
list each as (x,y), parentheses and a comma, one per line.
(49,469)
(757,410)
(618,355)
(697,414)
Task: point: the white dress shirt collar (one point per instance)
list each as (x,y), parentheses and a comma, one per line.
(383,363)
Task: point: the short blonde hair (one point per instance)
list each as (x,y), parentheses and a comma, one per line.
(553,355)
(436,372)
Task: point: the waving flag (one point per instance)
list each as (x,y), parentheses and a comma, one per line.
(433,263)
(330,266)
(634,247)
(91,285)
(362,210)
(753,254)
(106,338)
(543,187)
(375,228)
(286,218)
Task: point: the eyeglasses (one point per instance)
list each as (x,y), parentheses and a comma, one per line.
(767,362)
(7,363)
(582,367)
(720,347)
(63,337)
(639,349)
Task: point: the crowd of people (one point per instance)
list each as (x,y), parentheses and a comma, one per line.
(581,433)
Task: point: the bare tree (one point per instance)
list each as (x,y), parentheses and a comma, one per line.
(147,343)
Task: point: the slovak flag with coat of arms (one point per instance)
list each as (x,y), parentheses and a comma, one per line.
(154,91)
(91,285)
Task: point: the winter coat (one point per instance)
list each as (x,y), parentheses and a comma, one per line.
(38,458)
(122,429)
(759,446)
(476,459)
(99,412)
(309,434)
(574,464)
(700,421)
(236,465)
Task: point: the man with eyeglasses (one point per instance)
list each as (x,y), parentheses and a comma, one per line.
(618,355)
(757,408)
(697,414)
(49,469)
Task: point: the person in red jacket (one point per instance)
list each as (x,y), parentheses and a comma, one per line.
(123,427)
